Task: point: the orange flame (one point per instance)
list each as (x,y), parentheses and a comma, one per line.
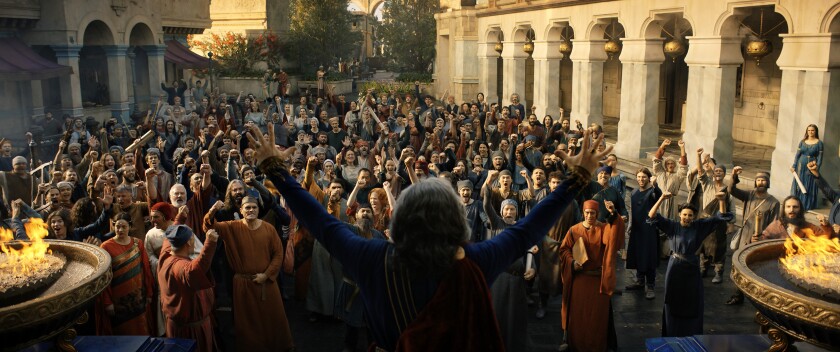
(26,259)
(814,259)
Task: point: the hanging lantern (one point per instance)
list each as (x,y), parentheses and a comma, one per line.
(565,47)
(613,48)
(674,48)
(499,47)
(528,47)
(759,48)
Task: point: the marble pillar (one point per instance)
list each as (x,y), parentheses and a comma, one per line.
(71,90)
(157,71)
(514,73)
(638,128)
(488,72)
(117,80)
(132,79)
(37,95)
(546,77)
(810,95)
(588,59)
(710,103)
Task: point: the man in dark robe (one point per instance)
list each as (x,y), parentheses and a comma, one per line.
(643,247)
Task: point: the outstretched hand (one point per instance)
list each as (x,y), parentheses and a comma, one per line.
(264,144)
(587,158)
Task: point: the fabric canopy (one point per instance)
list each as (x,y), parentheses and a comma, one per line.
(182,56)
(19,63)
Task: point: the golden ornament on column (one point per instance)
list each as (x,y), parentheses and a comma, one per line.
(758,48)
(613,48)
(565,47)
(674,48)
(499,47)
(528,47)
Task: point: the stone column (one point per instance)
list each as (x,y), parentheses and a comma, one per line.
(710,103)
(546,77)
(488,72)
(157,70)
(810,95)
(588,59)
(638,128)
(117,80)
(71,90)
(132,83)
(37,100)
(514,74)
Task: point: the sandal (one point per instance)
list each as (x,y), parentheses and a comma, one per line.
(735,300)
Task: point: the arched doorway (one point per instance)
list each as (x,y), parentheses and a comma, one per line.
(613,32)
(530,37)
(567,34)
(674,71)
(138,68)
(758,80)
(93,65)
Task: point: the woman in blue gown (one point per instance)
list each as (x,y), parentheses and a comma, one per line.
(683,312)
(810,149)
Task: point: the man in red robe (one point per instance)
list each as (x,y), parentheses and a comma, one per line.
(588,284)
(186,286)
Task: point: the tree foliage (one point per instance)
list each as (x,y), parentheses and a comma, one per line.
(320,33)
(408,31)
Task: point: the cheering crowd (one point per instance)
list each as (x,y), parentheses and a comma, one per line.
(418,222)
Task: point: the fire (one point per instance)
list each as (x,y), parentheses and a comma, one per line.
(31,254)
(813,259)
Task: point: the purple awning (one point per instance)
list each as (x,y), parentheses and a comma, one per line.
(19,63)
(182,56)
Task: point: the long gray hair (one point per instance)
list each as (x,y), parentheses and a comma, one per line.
(428,225)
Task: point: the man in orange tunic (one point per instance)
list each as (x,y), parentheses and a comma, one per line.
(186,286)
(255,253)
(588,286)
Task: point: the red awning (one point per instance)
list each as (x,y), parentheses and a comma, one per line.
(182,56)
(19,63)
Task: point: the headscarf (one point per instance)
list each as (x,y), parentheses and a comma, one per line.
(590,204)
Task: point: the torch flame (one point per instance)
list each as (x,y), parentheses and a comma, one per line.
(26,259)
(814,259)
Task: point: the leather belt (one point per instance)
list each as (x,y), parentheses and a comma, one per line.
(250,277)
(591,272)
(192,324)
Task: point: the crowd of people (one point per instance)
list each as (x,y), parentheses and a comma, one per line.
(417,221)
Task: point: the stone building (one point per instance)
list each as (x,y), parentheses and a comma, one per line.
(110,56)
(651,62)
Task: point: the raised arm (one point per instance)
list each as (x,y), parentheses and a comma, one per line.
(655,208)
(826,189)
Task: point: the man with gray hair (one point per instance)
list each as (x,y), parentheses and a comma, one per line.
(428,267)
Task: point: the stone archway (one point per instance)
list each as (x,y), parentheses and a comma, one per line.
(140,87)
(93,64)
